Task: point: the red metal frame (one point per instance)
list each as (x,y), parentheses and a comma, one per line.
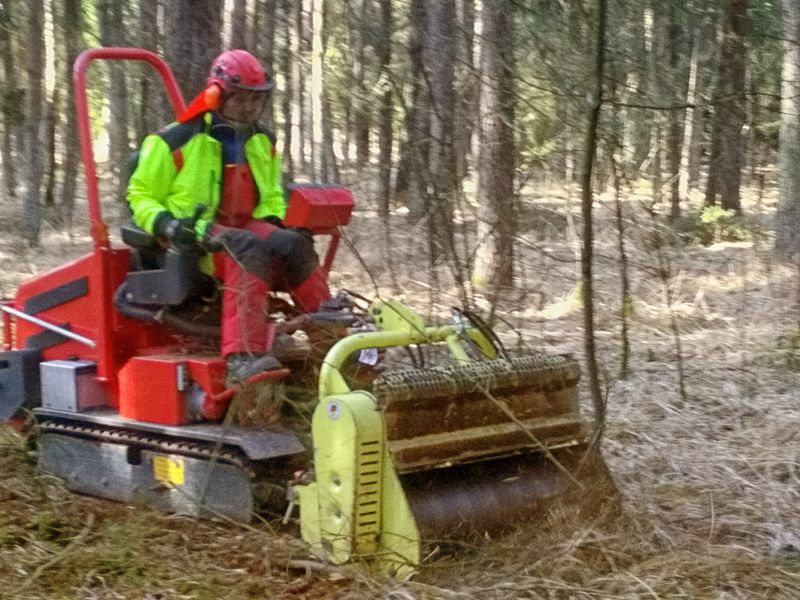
(99,228)
(6,329)
(110,276)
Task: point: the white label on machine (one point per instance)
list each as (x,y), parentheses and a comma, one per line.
(368,356)
(333,410)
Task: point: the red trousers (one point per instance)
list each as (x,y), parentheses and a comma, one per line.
(246,326)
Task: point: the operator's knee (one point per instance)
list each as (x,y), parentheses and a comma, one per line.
(296,251)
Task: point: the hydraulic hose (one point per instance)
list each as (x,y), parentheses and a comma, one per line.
(160,315)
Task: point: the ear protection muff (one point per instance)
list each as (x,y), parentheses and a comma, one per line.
(212,96)
(207,100)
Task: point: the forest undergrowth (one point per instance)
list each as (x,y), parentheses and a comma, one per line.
(702,438)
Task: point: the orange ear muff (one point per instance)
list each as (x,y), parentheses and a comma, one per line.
(212,96)
(208,99)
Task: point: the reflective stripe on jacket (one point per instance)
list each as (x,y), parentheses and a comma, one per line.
(180,167)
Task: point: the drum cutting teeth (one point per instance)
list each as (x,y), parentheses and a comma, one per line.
(446,416)
(538,372)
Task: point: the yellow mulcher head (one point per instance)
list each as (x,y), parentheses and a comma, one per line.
(432,453)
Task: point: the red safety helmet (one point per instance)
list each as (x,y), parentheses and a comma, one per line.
(233,69)
(239,69)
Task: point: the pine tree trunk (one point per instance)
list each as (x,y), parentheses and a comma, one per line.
(239,29)
(73,23)
(318,170)
(474,115)
(466,102)
(497,214)
(684,180)
(154,111)
(414,160)
(112,33)
(287,100)
(787,219)
(644,46)
(384,52)
(735,61)
(192,40)
(673,116)
(439,56)
(52,110)
(34,102)
(730,110)
(307,124)
(331,166)
(264,19)
(655,85)
(361,109)
(587,251)
(298,112)
(10,107)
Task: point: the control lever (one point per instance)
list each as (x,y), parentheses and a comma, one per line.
(190,248)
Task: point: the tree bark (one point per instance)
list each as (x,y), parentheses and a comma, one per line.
(684,180)
(307,125)
(299,118)
(34,102)
(730,109)
(287,100)
(192,40)
(414,159)
(318,170)
(112,33)
(239,29)
(73,25)
(264,20)
(439,56)
(673,116)
(467,88)
(53,108)
(10,107)
(587,257)
(331,166)
(361,108)
(642,119)
(787,219)
(154,110)
(385,140)
(497,214)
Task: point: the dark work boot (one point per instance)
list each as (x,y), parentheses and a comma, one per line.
(242,366)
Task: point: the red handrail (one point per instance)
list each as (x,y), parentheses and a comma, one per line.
(99,228)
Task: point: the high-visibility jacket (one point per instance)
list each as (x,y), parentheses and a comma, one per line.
(181,166)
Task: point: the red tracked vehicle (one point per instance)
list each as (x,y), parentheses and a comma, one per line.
(115,355)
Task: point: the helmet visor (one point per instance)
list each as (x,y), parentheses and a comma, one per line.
(243,106)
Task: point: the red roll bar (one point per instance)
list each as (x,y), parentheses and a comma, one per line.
(99,228)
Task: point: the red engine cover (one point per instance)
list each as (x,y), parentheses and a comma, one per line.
(153,388)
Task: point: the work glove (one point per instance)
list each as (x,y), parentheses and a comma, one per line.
(246,248)
(178,231)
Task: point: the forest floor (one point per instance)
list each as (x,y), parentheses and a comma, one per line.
(702,438)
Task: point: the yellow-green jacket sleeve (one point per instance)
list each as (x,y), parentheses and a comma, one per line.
(148,187)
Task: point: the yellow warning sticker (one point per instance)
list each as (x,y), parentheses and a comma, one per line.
(169,470)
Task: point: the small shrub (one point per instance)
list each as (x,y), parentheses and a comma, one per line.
(710,225)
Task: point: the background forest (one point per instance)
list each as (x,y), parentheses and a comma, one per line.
(612,178)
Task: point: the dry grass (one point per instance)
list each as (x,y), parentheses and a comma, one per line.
(710,485)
